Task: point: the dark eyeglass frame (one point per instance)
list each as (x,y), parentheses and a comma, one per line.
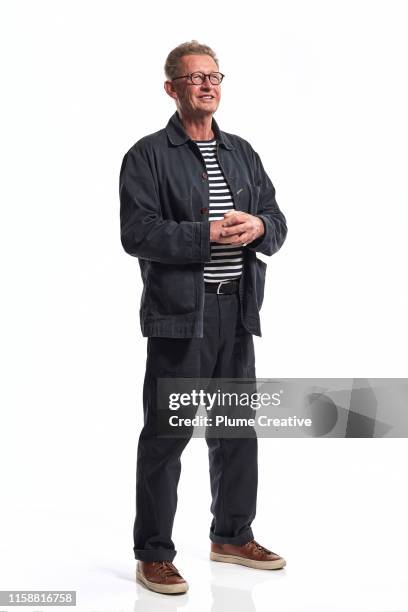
(190,77)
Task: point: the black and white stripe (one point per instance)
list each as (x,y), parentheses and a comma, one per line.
(226,260)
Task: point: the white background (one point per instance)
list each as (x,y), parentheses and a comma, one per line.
(319,89)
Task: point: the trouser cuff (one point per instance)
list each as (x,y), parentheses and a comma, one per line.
(239,540)
(154,554)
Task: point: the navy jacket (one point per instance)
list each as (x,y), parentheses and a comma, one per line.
(164,200)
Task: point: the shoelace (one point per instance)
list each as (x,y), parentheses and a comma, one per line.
(166,568)
(259,547)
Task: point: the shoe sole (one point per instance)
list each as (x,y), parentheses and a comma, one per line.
(267,565)
(165,589)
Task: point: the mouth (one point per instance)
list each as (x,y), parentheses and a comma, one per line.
(206,97)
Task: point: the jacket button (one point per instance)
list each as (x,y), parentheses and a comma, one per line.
(203,210)
(204,175)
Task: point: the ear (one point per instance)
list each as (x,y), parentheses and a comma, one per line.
(170,90)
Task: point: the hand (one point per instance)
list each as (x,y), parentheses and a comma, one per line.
(240,228)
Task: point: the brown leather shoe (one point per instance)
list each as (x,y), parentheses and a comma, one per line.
(161,576)
(250,554)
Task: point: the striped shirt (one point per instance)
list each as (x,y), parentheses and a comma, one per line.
(226,259)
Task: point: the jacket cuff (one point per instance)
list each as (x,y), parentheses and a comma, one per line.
(204,240)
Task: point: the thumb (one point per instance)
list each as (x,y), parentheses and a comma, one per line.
(228,216)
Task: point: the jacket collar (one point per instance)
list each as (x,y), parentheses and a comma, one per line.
(177,135)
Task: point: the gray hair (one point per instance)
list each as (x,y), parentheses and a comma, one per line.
(171,67)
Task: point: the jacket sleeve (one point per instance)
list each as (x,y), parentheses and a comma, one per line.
(144,233)
(268,211)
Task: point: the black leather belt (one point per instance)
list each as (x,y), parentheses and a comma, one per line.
(223,287)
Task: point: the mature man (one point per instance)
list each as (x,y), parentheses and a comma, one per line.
(196,206)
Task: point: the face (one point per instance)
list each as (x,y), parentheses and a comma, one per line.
(190,99)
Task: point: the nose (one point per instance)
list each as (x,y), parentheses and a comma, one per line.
(206,84)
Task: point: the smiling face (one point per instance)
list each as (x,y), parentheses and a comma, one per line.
(195,100)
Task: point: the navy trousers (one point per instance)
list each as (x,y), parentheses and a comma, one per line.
(226,350)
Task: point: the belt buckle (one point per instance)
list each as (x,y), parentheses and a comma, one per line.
(219,285)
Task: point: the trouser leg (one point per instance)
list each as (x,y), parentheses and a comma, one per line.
(158,459)
(157,475)
(233,462)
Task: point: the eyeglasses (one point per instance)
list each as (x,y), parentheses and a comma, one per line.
(198,78)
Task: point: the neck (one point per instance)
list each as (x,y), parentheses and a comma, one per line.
(198,128)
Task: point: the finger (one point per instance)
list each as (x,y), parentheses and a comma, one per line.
(236,239)
(245,238)
(238,228)
(241,239)
(231,218)
(234,211)
(229,239)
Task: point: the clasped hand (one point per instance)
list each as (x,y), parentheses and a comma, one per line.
(237,227)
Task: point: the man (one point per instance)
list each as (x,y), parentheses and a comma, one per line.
(196,206)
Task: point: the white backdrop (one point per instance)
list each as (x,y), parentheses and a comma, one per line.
(319,89)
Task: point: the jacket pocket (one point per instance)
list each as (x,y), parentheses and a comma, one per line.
(260,272)
(170,290)
(246,198)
